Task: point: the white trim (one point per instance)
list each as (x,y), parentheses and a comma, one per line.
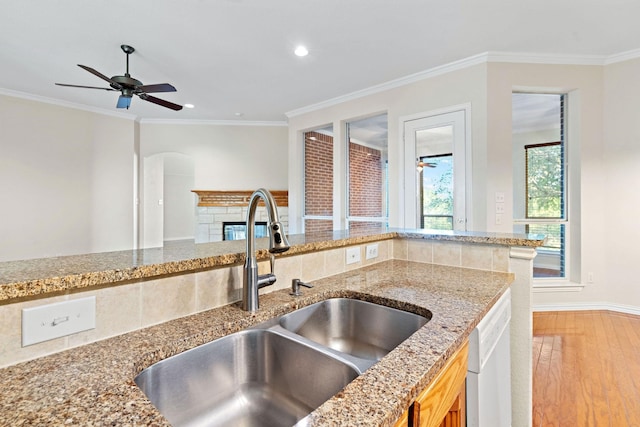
(320,217)
(481,58)
(67,104)
(212,122)
(407,213)
(521,252)
(402,81)
(620,308)
(539,287)
(623,56)
(545,58)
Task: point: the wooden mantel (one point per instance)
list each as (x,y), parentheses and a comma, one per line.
(210,198)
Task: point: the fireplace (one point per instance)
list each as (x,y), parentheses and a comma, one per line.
(219,209)
(236,230)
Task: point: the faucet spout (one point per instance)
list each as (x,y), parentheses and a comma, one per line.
(278,243)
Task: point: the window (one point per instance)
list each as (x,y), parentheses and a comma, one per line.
(541,188)
(545,201)
(436,192)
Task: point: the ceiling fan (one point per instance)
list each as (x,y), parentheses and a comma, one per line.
(422,164)
(128,86)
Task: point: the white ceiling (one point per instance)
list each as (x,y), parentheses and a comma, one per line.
(236,56)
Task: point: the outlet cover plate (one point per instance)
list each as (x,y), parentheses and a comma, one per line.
(353,255)
(46,322)
(372,251)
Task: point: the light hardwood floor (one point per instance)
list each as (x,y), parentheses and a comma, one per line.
(586,369)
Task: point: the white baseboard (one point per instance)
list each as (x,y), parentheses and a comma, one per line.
(628,309)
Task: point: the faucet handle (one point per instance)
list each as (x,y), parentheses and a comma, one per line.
(295,287)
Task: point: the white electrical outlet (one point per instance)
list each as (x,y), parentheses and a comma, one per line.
(50,321)
(499,208)
(372,251)
(353,255)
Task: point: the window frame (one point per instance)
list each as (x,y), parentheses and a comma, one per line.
(563,282)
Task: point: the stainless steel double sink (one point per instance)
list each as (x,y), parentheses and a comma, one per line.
(278,372)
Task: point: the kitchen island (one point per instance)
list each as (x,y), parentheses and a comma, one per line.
(93,384)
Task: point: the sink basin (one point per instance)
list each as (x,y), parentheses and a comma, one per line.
(359,328)
(250,378)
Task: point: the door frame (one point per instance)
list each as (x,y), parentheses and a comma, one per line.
(409,193)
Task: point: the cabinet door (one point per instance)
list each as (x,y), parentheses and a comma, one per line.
(443,400)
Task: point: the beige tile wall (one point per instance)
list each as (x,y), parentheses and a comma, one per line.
(470,255)
(124,308)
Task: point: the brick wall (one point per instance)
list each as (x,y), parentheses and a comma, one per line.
(318,180)
(365,181)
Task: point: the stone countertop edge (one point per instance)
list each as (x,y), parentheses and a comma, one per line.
(40,277)
(94,384)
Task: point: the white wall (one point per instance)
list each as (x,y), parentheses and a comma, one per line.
(225,157)
(621,153)
(65,180)
(69,178)
(455,88)
(179,202)
(584,84)
(203,157)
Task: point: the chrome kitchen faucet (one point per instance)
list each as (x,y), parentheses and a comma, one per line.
(277,244)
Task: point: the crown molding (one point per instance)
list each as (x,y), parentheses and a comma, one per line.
(623,56)
(482,58)
(212,122)
(66,104)
(402,81)
(545,58)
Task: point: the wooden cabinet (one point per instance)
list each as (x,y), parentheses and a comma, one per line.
(442,403)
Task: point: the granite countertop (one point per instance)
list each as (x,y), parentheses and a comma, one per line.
(39,277)
(93,384)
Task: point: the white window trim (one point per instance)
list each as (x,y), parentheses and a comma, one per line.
(573,264)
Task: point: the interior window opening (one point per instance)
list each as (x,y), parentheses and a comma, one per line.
(367,173)
(318,180)
(540,183)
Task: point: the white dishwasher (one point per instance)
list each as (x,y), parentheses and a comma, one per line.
(489,372)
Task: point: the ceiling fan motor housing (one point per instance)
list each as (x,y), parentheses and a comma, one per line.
(124,82)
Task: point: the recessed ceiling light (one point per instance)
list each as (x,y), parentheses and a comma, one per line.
(301,51)
(189,105)
(239,114)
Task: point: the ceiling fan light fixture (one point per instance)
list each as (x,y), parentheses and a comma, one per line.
(124,101)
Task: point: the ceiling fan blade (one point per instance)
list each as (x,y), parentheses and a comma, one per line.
(161,87)
(102,76)
(160,102)
(85,87)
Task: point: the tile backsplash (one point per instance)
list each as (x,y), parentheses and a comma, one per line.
(126,307)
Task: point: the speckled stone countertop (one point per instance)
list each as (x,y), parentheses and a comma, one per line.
(93,384)
(39,277)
